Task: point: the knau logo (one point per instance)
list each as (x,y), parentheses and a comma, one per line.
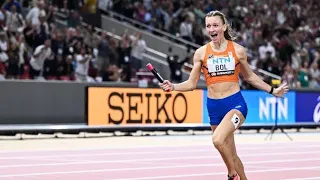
(316,112)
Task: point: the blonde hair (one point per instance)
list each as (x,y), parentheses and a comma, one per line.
(228,34)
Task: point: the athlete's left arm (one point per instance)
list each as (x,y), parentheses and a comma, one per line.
(249,75)
(253,79)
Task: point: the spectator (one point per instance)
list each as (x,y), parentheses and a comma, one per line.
(82,67)
(289,75)
(40,54)
(74,20)
(14,20)
(112,73)
(3,41)
(315,74)
(34,13)
(270,65)
(138,48)
(12,71)
(42,31)
(113,51)
(124,52)
(186,28)
(303,75)
(12,3)
(103,60)
(30,33)
(89,36)
(176,66)
(105,4)
(50,17)
(265,48)
(65,69)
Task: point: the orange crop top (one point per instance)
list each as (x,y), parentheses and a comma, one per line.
(221,66)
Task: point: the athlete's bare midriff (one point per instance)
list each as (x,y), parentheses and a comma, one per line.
(220,90)
(223,89)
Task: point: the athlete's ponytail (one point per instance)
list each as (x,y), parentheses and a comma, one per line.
(228,34)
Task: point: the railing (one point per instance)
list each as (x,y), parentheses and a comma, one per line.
(163,33)
(160,54)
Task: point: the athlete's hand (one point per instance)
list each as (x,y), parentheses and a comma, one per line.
(166,85)
(281,90)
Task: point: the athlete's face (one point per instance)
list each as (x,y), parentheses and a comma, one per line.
(215,28)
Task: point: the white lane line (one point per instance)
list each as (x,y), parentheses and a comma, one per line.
(161,167)
(154,147)
(157,167)
(162,159)
(153,152)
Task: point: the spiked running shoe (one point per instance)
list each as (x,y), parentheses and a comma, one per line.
(234,177)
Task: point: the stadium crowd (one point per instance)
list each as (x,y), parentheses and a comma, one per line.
(281,37)
(34,46)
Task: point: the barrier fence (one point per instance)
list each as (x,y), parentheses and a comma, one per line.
(49,107)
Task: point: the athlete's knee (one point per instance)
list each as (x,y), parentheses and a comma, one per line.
(218,141)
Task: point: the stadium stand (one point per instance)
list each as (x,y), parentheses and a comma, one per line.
(73,53)
(280,38)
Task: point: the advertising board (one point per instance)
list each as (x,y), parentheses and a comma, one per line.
(118,106)
(308,107)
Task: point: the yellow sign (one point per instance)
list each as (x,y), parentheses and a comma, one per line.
(110,106)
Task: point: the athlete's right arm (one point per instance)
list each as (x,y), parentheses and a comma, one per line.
(194,77)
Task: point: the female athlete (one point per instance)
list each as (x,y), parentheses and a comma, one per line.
(221,61)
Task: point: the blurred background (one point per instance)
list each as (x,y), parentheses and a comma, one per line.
(281,38)
(51,47)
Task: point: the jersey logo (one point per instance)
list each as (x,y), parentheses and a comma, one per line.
(221,65)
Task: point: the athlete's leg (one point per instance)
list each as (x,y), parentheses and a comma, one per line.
(238,164)
(231,121)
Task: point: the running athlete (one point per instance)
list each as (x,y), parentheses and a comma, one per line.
(221,61)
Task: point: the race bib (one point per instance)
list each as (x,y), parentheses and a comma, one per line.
(221,65)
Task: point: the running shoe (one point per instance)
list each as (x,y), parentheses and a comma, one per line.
(234,177)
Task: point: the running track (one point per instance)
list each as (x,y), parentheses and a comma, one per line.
(263,161)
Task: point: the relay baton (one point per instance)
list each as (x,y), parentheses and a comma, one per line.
(154,72)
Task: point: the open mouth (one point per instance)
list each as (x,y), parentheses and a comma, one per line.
(214,35)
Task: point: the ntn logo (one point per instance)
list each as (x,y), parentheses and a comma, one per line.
(221,60)
(272,107)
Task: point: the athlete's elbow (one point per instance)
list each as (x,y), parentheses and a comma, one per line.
(192,88)
(249,78)
(192,85)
